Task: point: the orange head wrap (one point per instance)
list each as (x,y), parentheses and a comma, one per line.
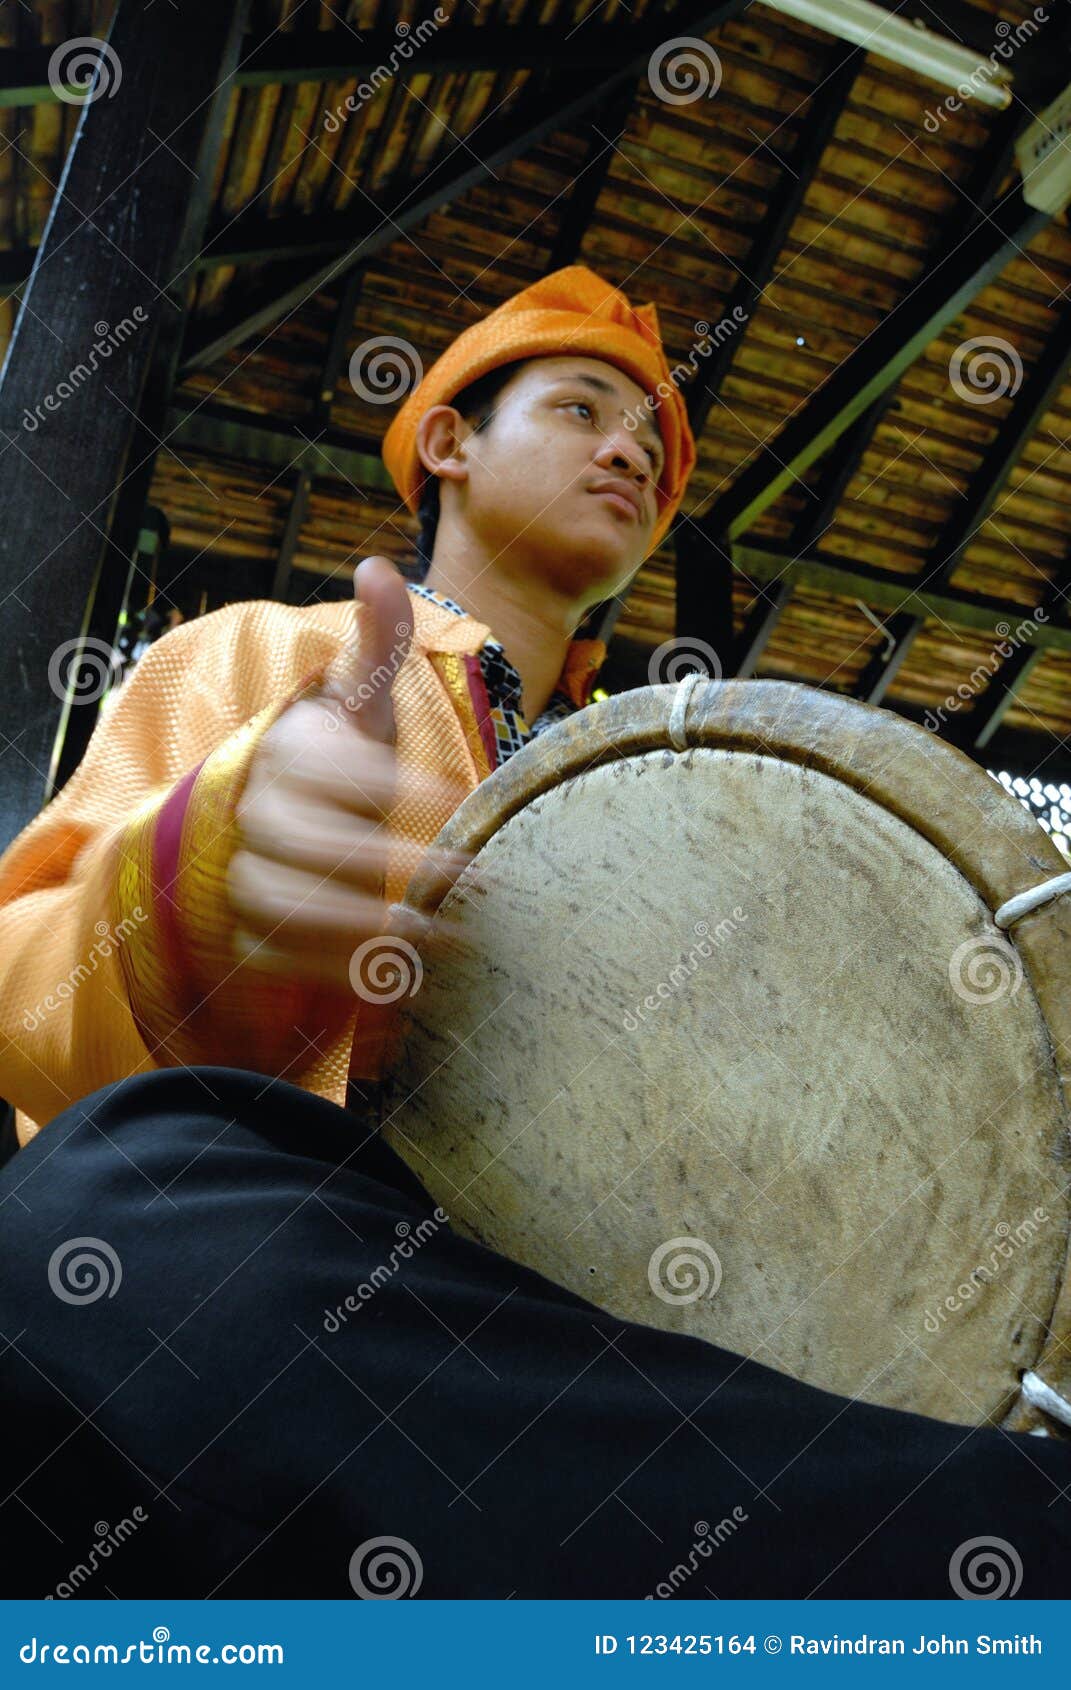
(571,310)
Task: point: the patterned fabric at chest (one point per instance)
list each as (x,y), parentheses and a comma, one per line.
(503,685)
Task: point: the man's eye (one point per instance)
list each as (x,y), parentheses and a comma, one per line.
(583,405)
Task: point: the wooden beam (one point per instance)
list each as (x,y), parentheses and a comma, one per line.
(703,392)
(501,140)
(877,362)
(885,590)
(1036,396)
(326,457)
(71,389)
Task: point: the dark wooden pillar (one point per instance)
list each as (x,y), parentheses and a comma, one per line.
(84,388)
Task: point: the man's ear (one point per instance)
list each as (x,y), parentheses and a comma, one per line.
(440,442)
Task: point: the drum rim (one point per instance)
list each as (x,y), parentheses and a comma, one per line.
(927,783)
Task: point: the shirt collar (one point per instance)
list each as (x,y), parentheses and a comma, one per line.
(439,624)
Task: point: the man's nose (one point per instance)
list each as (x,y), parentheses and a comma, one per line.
(623,452)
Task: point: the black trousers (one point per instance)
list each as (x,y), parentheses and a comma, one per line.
(239,1384)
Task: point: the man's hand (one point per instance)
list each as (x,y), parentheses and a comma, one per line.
(307,883)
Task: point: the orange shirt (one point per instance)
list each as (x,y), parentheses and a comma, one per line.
(115,929)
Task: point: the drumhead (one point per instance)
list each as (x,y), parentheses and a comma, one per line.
(723,1037)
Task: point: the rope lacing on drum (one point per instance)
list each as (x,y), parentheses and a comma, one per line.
(1042,1396)
(1024,902)
(678,733)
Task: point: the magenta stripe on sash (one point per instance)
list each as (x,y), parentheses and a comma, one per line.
(482,706)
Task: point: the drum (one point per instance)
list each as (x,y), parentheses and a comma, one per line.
(748,1023)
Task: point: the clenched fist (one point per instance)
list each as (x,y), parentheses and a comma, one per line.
(307,883)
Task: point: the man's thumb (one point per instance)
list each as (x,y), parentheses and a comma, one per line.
(361,677)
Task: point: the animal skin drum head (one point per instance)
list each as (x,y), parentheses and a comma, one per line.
(719,1041)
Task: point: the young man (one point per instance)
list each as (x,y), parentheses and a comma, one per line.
(199,890)
(209,1346)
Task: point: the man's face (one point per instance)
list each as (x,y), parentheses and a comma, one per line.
(559,482)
